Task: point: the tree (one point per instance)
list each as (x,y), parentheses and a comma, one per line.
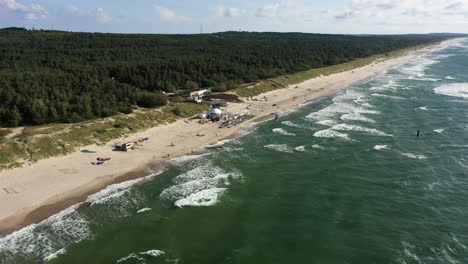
(149,100)
(191,85)
(14,117)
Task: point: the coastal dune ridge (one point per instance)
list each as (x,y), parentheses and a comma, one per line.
(55,184)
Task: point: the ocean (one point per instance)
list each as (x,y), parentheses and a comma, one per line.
(342,179)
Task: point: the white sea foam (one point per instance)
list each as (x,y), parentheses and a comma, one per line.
(206,197)
(455,89)
(192,186)
(300,148)
(139,258)
(153,253)
(387,96)
(349,95)
(220,143)
(390,86)
(326,122)
(424,108)
(337,108)
(186,158)
(414,156)
(143,210)
(330,133)
(291,124)
(116,189)
(316,146)
(200,172)
(54,255)
(440,130)
(450,78)
(131,256)
(183,190)
(348,127)
(417,67)
(283,132)
(108,197)
(356,117)
(380,147)
(278,147)
(44,239)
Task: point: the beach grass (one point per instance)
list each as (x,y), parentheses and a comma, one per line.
(185,110)
(41,142)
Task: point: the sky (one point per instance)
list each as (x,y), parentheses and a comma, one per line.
(192,16)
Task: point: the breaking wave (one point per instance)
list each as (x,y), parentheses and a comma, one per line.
(414,156)
(380,147)
(455,89)
(200,186)
(331,133)
(283,132)
(279,147)
(347,127)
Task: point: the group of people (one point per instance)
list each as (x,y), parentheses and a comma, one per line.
(100,161)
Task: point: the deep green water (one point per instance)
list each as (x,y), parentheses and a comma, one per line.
(341,180)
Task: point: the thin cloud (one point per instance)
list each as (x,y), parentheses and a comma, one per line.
(166,14)
(102,16)
(29,12)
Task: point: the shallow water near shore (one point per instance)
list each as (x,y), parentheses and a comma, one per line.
(341,180)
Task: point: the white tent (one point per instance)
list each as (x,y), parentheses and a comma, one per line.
(214,112)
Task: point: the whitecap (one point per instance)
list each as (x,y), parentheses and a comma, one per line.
(283,132)
(332,110)
(455,89)
(183,190)
(54,255)
(440,130)
(380,147)
(450,78)
(414,156)
(197,180)
(45,239)
(356,117)
(153,253)
(131,256)
(348,127)
(316,146)
(291,124)
(206,197)
(387,96)
(278,147)
(330,133)
(391,85)
(116,189)
(326,122)
(424,108)
(300,148)
(186,158)
(143,210)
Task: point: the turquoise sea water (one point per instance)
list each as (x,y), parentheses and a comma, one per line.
(341,180)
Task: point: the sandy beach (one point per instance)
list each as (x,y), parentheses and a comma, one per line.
(33,193)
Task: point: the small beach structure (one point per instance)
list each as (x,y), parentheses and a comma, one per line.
(130,145)
(197,96)
(213,114)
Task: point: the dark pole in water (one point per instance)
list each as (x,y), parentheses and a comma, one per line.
(417,134)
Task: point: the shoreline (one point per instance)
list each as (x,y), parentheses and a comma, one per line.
(53,185)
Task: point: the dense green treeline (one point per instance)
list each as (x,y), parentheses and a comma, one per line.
(51,76)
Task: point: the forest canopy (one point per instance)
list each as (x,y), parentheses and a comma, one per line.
(53,76)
